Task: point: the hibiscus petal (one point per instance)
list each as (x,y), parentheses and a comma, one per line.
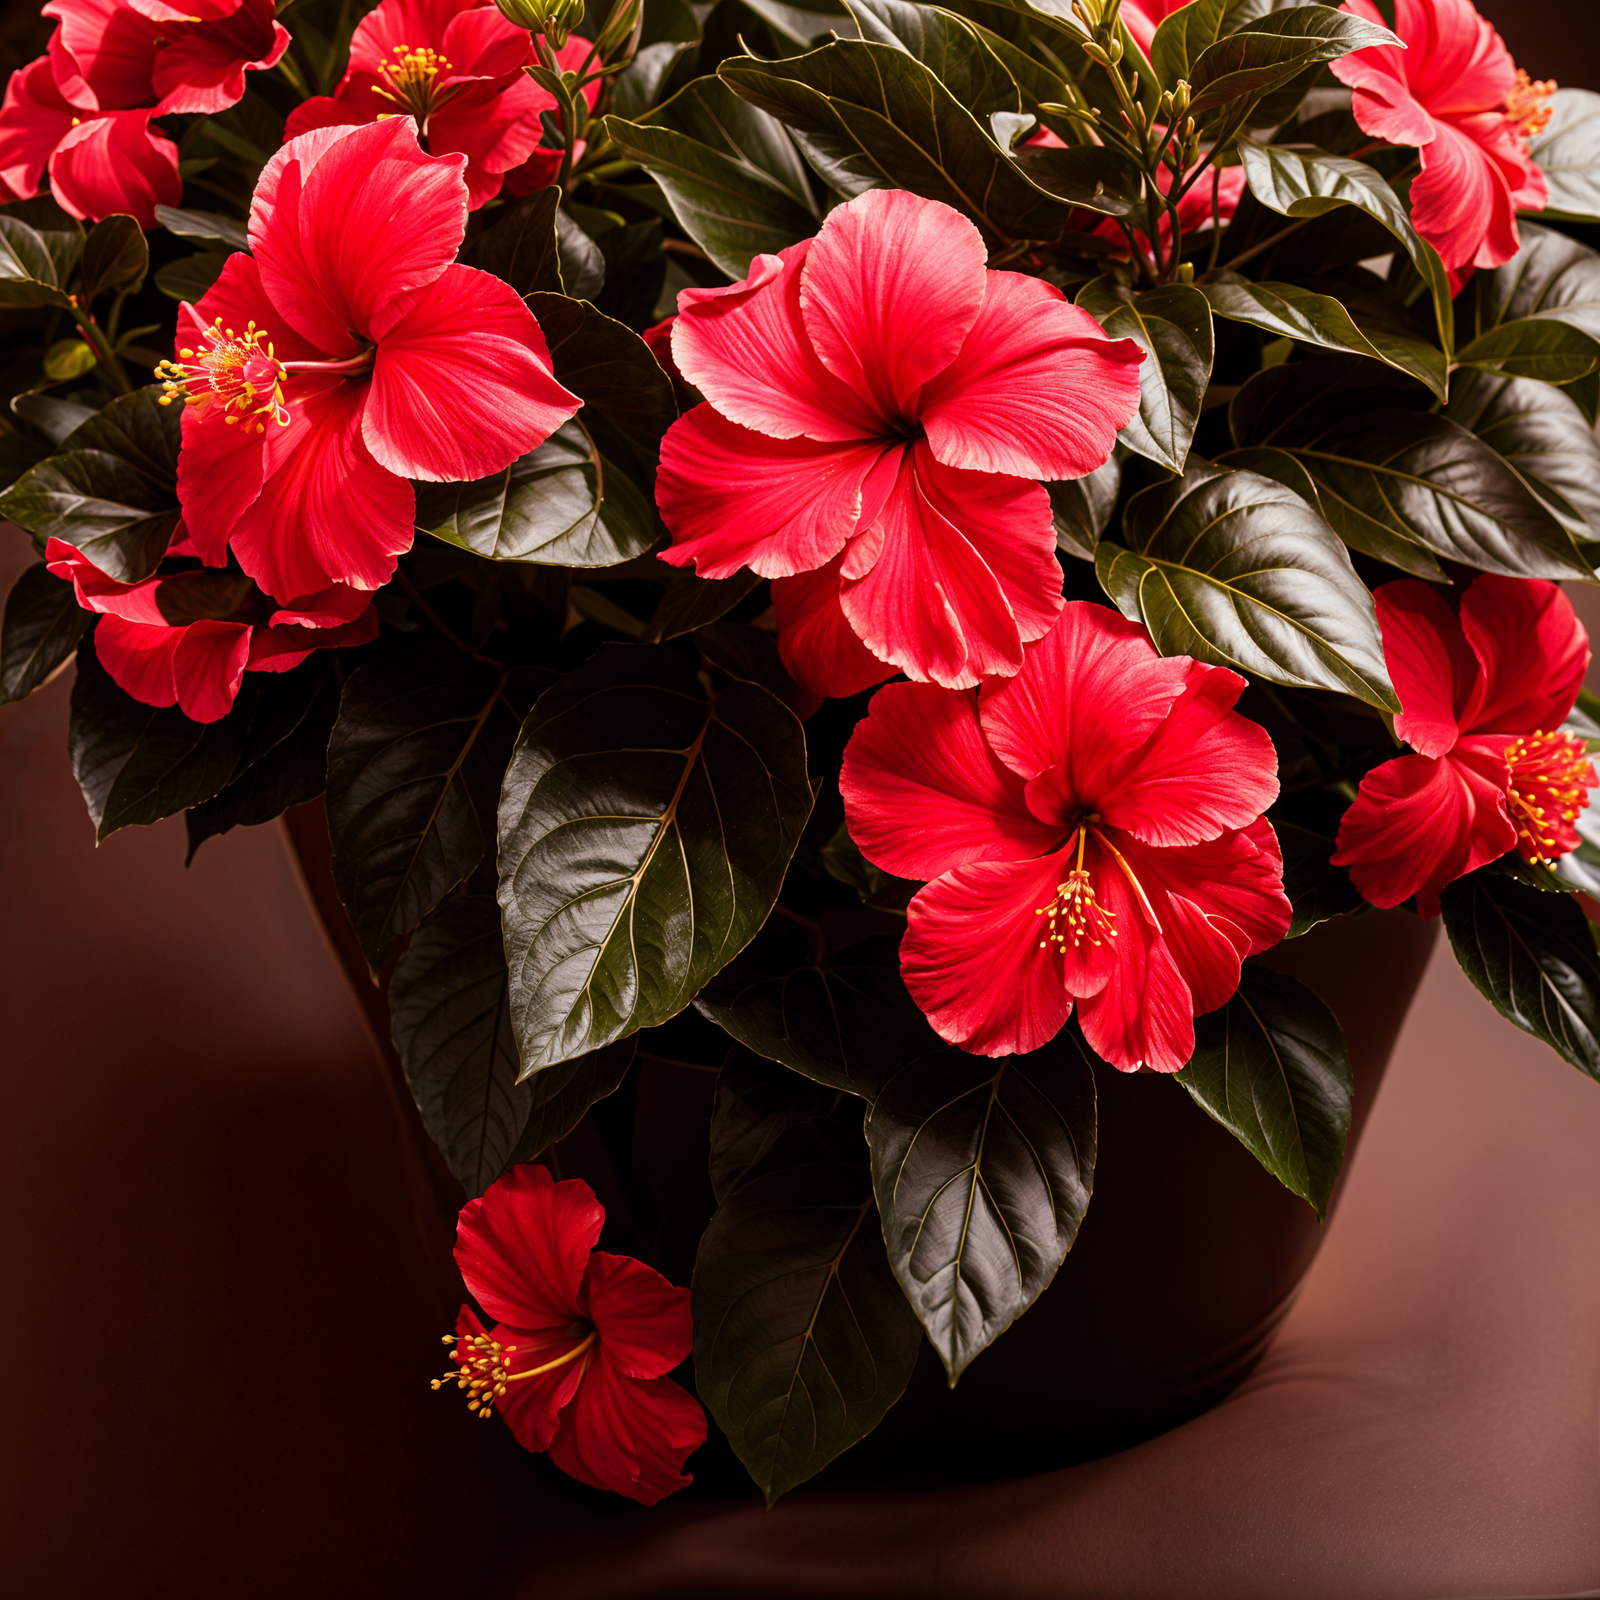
(1461,202)
(1533,652)
(462,386)
(281,647)
(747,350)
(237,299)
(208,666)
(643,1320)
(33,118)
(1144,1017)
(976,959)
(139,658)
(889,291)
(104,54)
(629,1435)
(349,225)
(733,497)
(324,111)
(480,43)
(531,1406)
(1417,823)
(523,1246)
(408,23)
(1455,61)
(202,65)
(115,163)
(920,753)
(327,512)
(134,602)
(332,607)
(818,646)
(1431,664)
(1037,391)
(1091,690)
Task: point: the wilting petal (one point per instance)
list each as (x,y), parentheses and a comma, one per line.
(1037,391)
(643,1320)
(523,1246)
(1533,652)
(1430,663)
(733,497)
(207,667)
(462,384)
(818,646)
(920,753)
(33,119)
(629,1435)
(889,290)
(327,512)
(1419,823)
(202,65)
(349,225)
(115,163)
(747,350)
(976,958)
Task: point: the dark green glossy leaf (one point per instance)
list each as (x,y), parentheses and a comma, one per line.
(138,429)
(414,769)
(53,417)
(1272,1068)
(983,1169)
(1185,34)
(644,834)
(452,1029)
(229,231)
(1091,176)
(1551,278)
(1172,325)
(1533,957)
(521,246)
(136,763)
(1316,888)
(757,1103)
(28,273)
(1293,312)
(560,505)
(115,257)
(60,232)
(1568,153)
(802,1339)
(98,503)
(733,176)
(948,46)
(43,624)
(1543,348)
(191,276)
(1236,569)
(1081,508)
(691,602)
(845,1021)
(583,267)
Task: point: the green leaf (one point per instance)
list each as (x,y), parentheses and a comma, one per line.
(1568,153)
(452,1029)
(1543,348)
(802,1339)
(1236,569)
(583,268)
(845,1020)
(731,173)
(28,273)
(691,602)
(1172,325)
(1081,508)
(69,358)
(1533,957)
(1310,183)
(1316,888)
(414,767)
(53,417)
(1091,176)
(229,231)
(1185,34)
(912,132)
(1272,1068)
(43,624)
(948,46)
(1542,434)
(191,276)
(60,232)
(136,763)
(758,1102)
(115,256)
(560,505)
(521,247)
(644,834)
(983,1169)
(1551,278)
(1293,312)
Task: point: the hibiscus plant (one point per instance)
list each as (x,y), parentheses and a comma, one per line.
(537,436)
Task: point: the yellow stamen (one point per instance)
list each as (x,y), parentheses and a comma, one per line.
(235,371)
(485,1365)
(1076,905)
(412,81)
(1527,105)
(1550,774)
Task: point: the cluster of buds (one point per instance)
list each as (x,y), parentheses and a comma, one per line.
(554,19)
(1098,19)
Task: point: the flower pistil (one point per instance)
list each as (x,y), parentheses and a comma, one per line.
(484,1363)
(1550,773)
(245,378)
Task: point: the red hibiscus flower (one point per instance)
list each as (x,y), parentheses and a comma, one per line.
(188,638)
(1143,17)
(346,355)
(1093,831)
(454,65)
(1455,93)
(1484,696)
(880,410)
(581,1343)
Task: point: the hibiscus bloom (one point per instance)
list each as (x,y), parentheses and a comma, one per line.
(577,1357)
(880,408)
(188,638)
(1455,93)
(345,355)
(1092,828)
(1484,695)
(1143,17)
(454,65)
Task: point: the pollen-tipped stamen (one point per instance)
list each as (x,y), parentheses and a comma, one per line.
(1550,774)
(1075,905)
(411,81)
(1528,107)
(238,371)
(484,1366)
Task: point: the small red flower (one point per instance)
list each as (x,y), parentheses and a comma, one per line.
(1455,93)
(880,409)
(346,355)
(581,1342)
(1092,828)
(1484,695)
(188,638)
(1143,17)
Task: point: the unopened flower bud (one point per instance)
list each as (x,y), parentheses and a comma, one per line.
(555,19)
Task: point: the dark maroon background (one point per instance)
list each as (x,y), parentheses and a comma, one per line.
(217,1255)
